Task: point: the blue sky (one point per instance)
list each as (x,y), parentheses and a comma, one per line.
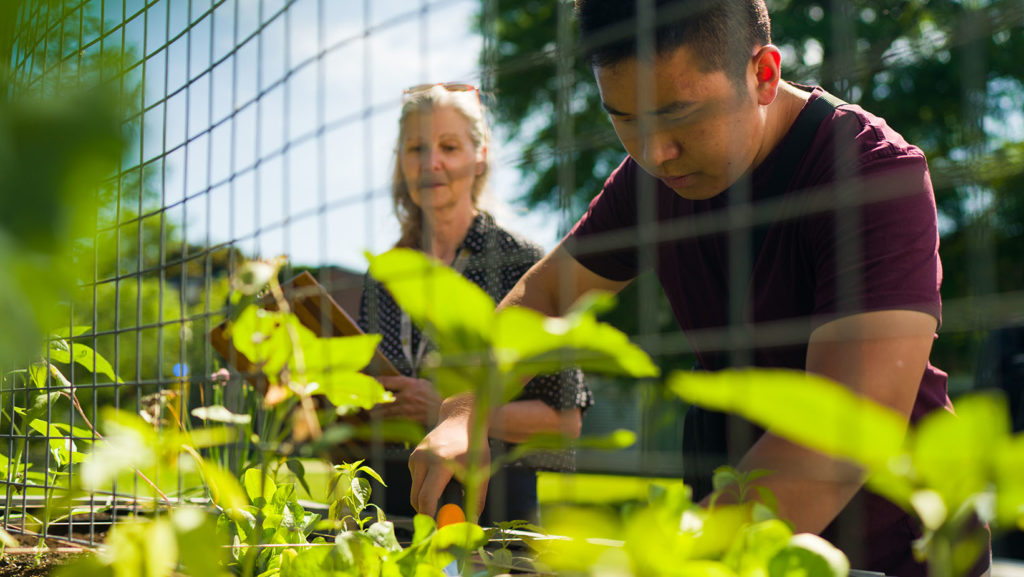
(290,124)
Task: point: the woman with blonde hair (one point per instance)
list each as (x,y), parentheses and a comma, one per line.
(440,175)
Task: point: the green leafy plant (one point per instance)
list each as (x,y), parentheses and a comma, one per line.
(948,471)
(492,353)
(674,536)
(294,364)
(739,485)
(504,560)
(349,494)
(141,547)
(271,517)
(43,386)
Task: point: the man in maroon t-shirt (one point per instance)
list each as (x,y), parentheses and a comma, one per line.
(787,229)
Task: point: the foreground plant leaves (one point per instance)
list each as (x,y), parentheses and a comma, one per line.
(141,547)
(275,341)
(804,408)
(673,536)
(478,345)
(948,470)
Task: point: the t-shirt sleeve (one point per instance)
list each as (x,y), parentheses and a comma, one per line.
(885,255)
(600,240)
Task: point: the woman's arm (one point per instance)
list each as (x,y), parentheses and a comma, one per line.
(517,421)
(514,422)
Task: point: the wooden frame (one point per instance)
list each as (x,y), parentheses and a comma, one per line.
(312,305)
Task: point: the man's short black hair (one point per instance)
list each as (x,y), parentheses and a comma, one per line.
(721,33)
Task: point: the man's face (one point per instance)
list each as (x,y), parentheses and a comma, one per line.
(697,132)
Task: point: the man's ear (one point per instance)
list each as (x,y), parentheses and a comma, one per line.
(767,66)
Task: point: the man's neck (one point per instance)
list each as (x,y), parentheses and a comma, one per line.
(782,113)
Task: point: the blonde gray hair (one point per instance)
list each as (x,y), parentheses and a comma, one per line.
(410,216)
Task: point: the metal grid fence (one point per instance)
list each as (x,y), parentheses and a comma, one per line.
(255,129)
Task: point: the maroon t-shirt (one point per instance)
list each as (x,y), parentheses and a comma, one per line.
(853,231)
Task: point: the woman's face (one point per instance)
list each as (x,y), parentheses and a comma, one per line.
(438,159)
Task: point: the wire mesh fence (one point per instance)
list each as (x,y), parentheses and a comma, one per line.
(257,128)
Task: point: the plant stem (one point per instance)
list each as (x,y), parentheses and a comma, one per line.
(477,437)
(78,406)
(308,410)
(940,556)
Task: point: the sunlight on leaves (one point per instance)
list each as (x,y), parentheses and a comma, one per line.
(478,345)
(456,313)
(220,414)
(804,408)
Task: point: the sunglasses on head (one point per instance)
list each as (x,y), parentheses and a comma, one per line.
(449,86)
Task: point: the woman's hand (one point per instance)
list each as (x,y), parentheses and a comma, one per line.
(415,399)
(449,441)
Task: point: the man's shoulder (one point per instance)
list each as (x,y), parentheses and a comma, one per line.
(853,141)
(871,137)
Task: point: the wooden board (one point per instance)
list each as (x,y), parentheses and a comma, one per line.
(317,311)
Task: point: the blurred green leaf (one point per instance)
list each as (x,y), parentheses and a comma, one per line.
(37,373)
(201,546)
(944,447)
(459,538)
(71,332)
(759,543)
(262,336)
(576,543)
(357,553)
(220,414)
(54,153)
(269,339)
(259,487)
(804,408)
(224,488)
(929,508)
(479,348)
(347,391)
(808,555)
(655,544)
(383,534)
(724,477)
(1009,462)
(530,343)
(423,527)
(455,313)
(198,438)
(129,443)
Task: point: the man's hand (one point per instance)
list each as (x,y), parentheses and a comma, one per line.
(449,441)
(415,399)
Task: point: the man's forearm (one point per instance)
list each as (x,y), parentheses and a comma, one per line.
(553,284)
(811,488)
(533,291)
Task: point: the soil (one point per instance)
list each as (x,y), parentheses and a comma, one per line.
(26,565)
